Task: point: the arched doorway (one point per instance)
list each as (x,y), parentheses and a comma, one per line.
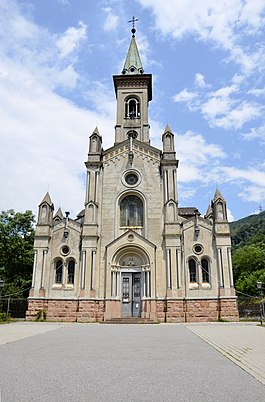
(131,265)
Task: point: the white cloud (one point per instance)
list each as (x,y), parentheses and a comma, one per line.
(230,216)
(221,108)
(64,2)
(256,133)
(233,116)
(257,92)
(196,156)
(185,96)
(200,80)
(251,182)
(111,20)
(71,39)
(222,23)
(44,135)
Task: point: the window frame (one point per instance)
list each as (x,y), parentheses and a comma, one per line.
(131,214)
(71,274)
(57,272)
(205,271)
(193,276)
(132,108)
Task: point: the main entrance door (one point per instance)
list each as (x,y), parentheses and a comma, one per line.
(131,294)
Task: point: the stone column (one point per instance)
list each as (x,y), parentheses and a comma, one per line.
(45,252)
(165,186)
(179,267)
(83,268)
(220,267)
(148,283)
(168,269)
(93,255)
(230,267)
(34,268)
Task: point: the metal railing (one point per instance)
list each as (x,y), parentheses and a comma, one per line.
(15,307)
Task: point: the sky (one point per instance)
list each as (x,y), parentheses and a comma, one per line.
(57,59)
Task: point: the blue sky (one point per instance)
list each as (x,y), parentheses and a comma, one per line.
(57,58)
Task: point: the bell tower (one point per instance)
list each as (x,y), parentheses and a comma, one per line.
(133,91)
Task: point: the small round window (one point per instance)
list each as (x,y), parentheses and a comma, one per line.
(65,250)
(198,249)
(131,179)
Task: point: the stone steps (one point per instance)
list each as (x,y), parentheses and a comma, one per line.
(129,320)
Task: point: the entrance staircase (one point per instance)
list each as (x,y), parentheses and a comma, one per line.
(129,320)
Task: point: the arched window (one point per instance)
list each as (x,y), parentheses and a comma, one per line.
(220,211)
(71,272)
(58,271)
(192,270)
(205,270)
(132,108)
(131,211)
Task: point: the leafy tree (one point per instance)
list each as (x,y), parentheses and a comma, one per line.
(16,251)
(249,265)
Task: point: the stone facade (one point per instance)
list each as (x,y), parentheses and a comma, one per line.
(132,251)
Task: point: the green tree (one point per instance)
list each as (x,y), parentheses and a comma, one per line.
(249,266)
(16,251)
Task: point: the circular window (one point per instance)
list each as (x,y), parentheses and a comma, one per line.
(65,250)
(131,179)
(198,249)
(130,237)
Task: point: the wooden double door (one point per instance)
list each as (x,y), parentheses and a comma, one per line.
(131,294)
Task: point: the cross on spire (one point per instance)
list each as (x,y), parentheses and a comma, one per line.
(133,21)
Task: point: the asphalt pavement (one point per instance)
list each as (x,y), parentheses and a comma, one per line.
(133,363)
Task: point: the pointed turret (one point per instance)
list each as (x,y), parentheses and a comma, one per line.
(219,207)
(209,213)
(46,211)
(218,196)
(47,200)
(168,145)
(133,64)
(95,142)
(59,215)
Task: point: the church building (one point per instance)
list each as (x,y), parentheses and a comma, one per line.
(133,251)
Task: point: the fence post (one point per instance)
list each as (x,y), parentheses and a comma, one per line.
(8,304)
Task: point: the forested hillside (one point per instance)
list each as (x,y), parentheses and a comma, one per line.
(248,251)
(244,229)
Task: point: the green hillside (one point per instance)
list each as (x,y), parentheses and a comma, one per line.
(243,230)
(248,252)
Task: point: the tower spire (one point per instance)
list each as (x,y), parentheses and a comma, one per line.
(133,21)
(133,64)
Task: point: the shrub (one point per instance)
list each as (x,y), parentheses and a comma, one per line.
(4,317)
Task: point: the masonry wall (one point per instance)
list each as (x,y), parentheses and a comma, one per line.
(171,311)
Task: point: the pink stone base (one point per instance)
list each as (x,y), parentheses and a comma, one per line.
(90,311)
(177,310)
(66,310)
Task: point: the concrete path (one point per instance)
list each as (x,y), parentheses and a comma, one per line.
(20,330)
(242,343)
(112,363)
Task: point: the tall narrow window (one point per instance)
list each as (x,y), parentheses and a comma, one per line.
(71,272)
(205,270)
(131,211)
(192,270)
(59,271)
(132,108)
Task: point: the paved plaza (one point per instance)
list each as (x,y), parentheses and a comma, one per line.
(166,362)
